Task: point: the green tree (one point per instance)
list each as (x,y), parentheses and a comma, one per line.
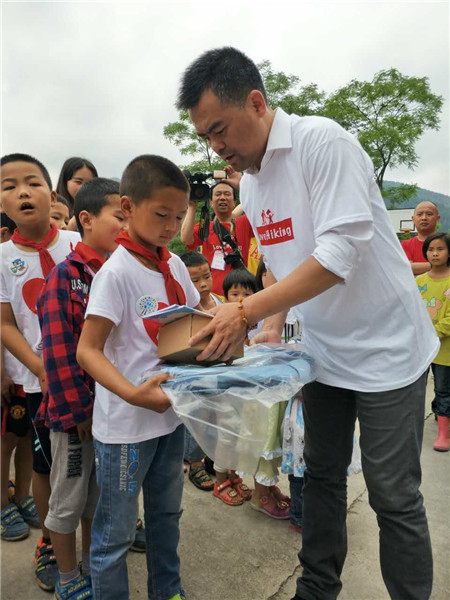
(388,115)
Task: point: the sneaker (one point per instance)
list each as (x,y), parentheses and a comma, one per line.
(78,590)
(27,509)
(139,544)
(46,566)
(13,526)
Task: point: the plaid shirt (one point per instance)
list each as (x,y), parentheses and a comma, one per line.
(61,306)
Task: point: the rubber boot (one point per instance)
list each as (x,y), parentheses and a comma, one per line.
(442,442)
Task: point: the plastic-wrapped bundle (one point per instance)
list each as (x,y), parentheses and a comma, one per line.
(226,407)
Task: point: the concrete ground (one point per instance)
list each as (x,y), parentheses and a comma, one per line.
(236,553)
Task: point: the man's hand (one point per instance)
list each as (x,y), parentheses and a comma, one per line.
(234,177)
(150,395)
(227,329)
(85,431)
(7,389)
(266,337)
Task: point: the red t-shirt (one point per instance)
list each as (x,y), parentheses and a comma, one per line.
(413,249)
(242,234)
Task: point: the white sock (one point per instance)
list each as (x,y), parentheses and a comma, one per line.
(70,577)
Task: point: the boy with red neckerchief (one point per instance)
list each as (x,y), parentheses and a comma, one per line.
(67,406)
(138,440)
(33,250)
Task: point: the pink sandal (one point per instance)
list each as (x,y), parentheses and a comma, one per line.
(279,496)
(265,505)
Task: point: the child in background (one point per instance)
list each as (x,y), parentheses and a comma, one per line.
(200,273)
(60,213)
(18,512)
(67,406)
(434,287)
(27,259)
(138,440)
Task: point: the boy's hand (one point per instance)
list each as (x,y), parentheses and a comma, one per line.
(40,374)
(150,395)
(7,389)
(85,431)
(269,336)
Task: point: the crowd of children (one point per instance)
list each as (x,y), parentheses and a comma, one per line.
(81,269)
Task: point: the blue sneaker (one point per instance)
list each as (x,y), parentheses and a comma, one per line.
(79,590)
(139,544)
(13,526)
(27,509)
(46,566)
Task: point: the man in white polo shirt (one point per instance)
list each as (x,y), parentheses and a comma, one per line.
(310,195)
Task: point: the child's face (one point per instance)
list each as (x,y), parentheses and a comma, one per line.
(202,279)
(106,226)
(437,253)
(238,291)
(154,222)
(59,214)
(25,196)
(79,177)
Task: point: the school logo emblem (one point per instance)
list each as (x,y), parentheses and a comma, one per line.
(17,411)
(18,266)
(274,232)
(146,305)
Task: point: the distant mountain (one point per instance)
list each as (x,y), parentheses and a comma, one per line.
(441,200)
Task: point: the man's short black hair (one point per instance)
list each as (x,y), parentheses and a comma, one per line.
(147,173)
(241,277)
(18,157)
(93,196)
(227,72)
(6,221)
(437,235)
(222,183)
(194,259)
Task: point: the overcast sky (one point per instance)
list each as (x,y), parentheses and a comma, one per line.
(100,79)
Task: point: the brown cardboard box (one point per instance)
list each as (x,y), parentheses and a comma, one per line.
(173,341)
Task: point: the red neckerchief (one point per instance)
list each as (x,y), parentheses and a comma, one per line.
(47,262)
(90,256)
(175,292)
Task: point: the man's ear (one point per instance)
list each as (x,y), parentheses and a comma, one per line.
(127,206)
(85,219)
(52,198)
(256,101)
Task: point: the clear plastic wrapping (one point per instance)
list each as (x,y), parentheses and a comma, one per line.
(226,407)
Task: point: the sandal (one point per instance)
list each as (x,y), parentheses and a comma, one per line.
(229,496)
(242,489)
(271,507)
(199,476)
(279,496)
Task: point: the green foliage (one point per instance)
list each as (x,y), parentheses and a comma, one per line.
(399,194)
(388,115)
(177,247)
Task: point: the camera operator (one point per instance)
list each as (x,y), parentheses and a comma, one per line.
(222,253)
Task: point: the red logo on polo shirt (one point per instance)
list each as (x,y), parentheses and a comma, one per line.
(274,232)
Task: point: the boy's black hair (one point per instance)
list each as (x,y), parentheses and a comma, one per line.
(93,196)
(68,169)
(18,157)
(227,72)
(241,277)
(222,183)
(194,259)
(6,221)
(437,235)
(259,274)
(147,173)
(62,200)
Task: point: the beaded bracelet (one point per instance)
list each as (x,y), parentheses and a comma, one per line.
(243,317)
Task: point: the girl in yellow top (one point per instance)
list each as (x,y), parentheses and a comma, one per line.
(434,287)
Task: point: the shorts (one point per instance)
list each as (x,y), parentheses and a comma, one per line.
(73,482)
(15,417)
(40,437)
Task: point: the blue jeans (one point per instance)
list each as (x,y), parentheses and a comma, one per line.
(391,426)
(192,451)
(441,402)
(296,491)
(122,470)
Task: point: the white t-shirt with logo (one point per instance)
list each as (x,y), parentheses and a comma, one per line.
(315,195)
(124,291)
(21,283)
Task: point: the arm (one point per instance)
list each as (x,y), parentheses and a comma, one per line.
(14,341)
(187,229)
(7,384)
(272,326)
(420,267)
(92,359)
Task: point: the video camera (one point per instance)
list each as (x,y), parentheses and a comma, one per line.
(200,193)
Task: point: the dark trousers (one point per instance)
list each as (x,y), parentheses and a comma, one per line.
(441,402)
(391,426)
